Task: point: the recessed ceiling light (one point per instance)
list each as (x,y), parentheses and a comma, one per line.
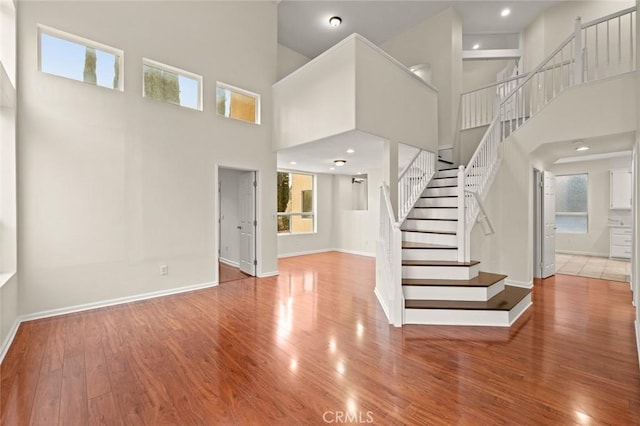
(351,151)
(340,163)
(475,46)
(293,163)
(582,148)
(335,21)
(505,12)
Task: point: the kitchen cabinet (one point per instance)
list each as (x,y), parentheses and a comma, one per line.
(620,243)
(620,189)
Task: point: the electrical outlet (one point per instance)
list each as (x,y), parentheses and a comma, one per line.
(164,270)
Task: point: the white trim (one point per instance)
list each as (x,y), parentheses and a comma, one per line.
(384,306)
(357,253)
(269,274)
(522,284)
(583,253)
(491,54)
(112,302)
(303,253)
(5,277)
(228,262)
(9,340)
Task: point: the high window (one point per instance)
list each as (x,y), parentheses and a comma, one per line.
(240,104)
(170,84)
(571,204)
(77,58)
(296,204)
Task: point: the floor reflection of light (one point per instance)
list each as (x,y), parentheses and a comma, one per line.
(351,406)
(332,346)
(360,329)
(584,419)
(340,367)
(293,365)
(285,319)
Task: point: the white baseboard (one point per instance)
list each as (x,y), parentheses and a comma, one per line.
(514,283)
(357,253)
(303,253)
(229,262)
(268,274)
(112,302)
(582,253)
(9,340)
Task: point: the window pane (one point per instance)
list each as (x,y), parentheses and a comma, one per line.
(235,104)
(283,193)
(571,204)
(79,62)
(295,202)
(283,224)
(172,87)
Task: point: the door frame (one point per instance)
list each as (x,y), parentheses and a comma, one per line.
(538,222)
(216,218)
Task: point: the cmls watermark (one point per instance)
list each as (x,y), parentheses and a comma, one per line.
(347,417)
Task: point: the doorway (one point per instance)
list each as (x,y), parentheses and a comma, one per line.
(544,226)
(236,224)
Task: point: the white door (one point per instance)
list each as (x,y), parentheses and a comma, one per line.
(247,228)
(549,225)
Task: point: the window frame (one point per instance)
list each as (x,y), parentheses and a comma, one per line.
(305,215)
(179,72)
(256,96)
(53,32)
(572,214)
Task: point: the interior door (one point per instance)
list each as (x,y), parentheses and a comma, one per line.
(247,227)
(549,225)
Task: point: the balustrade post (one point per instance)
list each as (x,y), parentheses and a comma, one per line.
(578,65)
(461,216)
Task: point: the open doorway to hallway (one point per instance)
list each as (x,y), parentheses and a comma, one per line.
(236,224)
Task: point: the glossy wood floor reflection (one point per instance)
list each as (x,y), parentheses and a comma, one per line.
(228,273)
(312,344)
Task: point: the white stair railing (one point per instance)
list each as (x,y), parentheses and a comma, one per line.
(413,180)
(598,49)
(389,262)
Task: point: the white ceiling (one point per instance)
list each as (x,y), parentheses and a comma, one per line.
(600,147)
(303,25)
(318,156)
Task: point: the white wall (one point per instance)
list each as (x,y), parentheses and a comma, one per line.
(229,180)
(393,103)
(480,72)
(321,240)
(438,42)
(289,60)
(554,25)
(596,240)
(113,185)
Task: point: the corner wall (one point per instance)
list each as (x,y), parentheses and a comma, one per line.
(113,185)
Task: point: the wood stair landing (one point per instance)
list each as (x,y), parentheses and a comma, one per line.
(480,288)
(483,279)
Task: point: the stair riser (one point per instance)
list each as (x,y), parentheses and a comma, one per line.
(437,202)
(441,272)
(421,237)
(433,192)
(447,173)
(435,183)
(429,254)
(432,225)
(467,317)
(452,293)
(437,213)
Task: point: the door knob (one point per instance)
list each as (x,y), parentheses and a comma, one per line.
(239,227)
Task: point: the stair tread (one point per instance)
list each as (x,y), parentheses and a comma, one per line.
(429,232)
(450,168)
(443,186)
(410,245)
(503,301)
(439,196)
(438,263)
(424,218)
(484,279)
(445,177)
(437,207)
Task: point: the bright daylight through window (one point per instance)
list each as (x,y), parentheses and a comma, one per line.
(66,55)
(571,204)
(295,203)
(169,84)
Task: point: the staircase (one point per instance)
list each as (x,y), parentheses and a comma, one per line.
(437,288)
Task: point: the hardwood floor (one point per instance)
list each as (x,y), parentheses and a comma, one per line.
(228,273)
(313,343)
